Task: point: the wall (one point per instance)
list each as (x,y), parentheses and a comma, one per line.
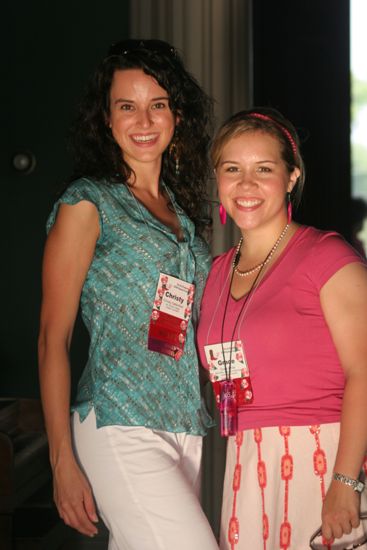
(301,67)
(48,49)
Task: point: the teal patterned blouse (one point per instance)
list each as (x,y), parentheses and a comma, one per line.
(123,381)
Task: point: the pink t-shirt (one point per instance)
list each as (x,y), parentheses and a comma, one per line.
(295,371)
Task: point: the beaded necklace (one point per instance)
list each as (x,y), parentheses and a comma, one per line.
(262,264)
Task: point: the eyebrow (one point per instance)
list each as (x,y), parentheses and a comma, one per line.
(228,162)
(122,100)
(237,162)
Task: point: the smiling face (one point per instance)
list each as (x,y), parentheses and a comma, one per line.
(141,120)
(253,180)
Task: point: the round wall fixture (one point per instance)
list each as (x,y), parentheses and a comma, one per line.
(24,162)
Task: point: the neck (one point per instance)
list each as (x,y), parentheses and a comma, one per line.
(246,265)
(258,242)
(146,178)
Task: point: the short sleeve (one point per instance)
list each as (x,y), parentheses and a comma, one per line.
(329,254)
(80,190)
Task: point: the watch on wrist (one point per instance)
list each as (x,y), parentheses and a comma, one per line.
(356,484)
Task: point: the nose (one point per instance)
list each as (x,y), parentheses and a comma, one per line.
(144,118)
(248,180)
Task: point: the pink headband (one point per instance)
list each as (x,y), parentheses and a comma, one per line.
(286,132)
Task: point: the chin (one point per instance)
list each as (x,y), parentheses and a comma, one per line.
(246,225)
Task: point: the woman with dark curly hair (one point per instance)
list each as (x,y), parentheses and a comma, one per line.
(125,240)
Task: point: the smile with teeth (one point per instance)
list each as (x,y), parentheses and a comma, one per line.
(144,138)
(248,203)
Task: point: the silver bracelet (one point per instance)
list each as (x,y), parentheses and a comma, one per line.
(356,484)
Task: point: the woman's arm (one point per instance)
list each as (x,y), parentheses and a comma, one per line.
(344,304)
(68,253)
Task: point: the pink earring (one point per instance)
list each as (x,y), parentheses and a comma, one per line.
(222,214)
(289,208)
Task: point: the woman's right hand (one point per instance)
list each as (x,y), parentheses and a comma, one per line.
(74,499)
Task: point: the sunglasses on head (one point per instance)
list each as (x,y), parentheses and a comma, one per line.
(131,45)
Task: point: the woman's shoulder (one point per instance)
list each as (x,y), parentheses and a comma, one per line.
(324,253)
(224,257)
(222,262)
(326,243)
(84,188)
(104,194)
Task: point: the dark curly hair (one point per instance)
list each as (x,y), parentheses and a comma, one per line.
(95,152)
(270,121)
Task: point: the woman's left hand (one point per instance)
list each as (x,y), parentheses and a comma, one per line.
(340,511)
(344,304)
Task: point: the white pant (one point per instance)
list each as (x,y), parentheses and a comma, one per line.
(146,485)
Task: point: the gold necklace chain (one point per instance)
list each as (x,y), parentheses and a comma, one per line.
(262,264)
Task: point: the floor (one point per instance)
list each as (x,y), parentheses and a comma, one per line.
(37,526)
(61,537)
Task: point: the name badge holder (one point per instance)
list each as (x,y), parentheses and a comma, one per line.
(226,361)
(170,316)
(228,408)
(231,392)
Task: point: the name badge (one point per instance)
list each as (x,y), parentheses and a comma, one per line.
(170,316)
(227,361)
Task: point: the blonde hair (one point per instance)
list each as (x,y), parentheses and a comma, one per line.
(267,121)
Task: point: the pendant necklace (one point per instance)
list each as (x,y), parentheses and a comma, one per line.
(260,265)
(228,401)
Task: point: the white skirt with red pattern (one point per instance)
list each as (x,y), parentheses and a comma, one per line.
(274,485)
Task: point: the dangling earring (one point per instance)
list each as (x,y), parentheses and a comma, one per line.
(222,214)
(289,208)
(174,154)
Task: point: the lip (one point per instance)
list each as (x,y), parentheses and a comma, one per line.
(248,204)
(144,140)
